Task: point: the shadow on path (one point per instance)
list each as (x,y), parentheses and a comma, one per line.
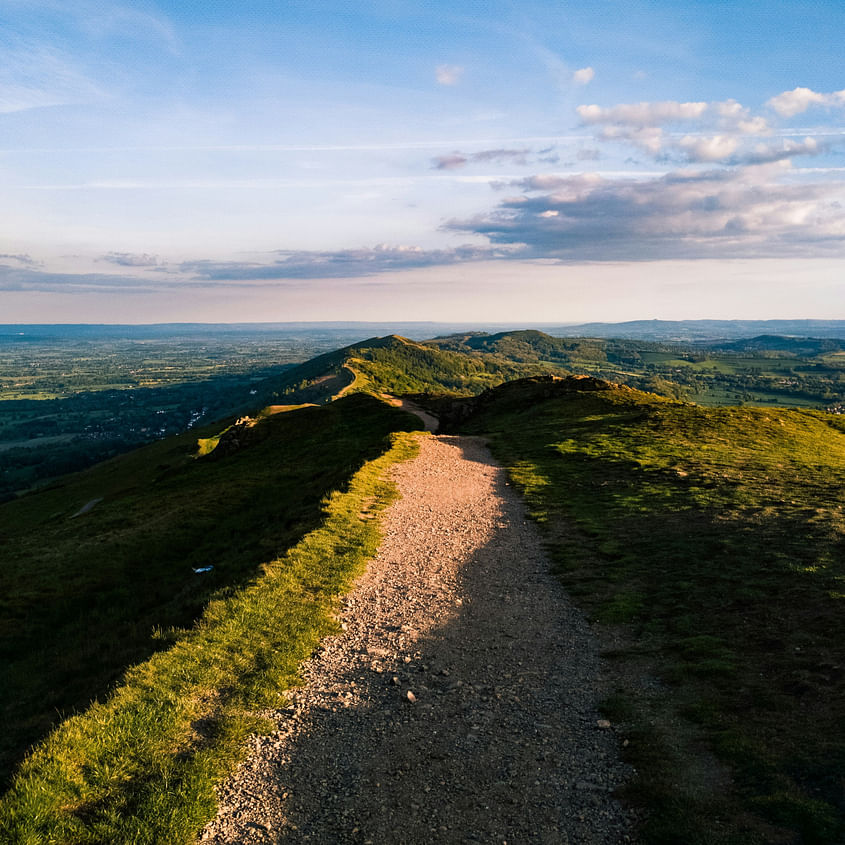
(498,740)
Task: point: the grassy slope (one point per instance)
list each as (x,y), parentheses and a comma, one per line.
(402,366)
(717,536)
(397,365)
(141,767)
(79,597)
(760,371)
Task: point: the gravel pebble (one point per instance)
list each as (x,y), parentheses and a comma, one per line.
(459,703)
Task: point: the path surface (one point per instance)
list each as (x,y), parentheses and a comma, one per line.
(458,706)
(430,422)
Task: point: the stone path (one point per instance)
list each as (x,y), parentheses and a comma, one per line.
(458,706)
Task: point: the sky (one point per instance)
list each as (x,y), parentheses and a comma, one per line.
(498,161)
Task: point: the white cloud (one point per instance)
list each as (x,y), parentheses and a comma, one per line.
(583,76)
(798,100)
(642,114)
(763,153)
(448,74)
(715,148)
(734,117)
(721,131)
(728,115)
(753,126)
(647,138)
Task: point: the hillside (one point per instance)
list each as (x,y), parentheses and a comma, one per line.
(797,346)
(90,566)
(394,365)
(766,370)
(708,542)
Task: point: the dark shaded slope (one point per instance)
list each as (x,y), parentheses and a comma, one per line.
(798,346)
(81,595)
(716,538)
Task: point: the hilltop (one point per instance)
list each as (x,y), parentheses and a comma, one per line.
(394,365)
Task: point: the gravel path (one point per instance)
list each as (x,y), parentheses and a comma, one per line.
(459,703)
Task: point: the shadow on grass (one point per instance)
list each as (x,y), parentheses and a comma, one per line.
(501,741)
(82,597)
(720,544)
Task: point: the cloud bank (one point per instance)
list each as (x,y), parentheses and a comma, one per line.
(366,261)
(714,131)
(744,212)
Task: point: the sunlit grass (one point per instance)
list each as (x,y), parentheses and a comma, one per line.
(140,766)
(79,596)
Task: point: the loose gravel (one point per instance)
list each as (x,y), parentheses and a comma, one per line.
(458,704)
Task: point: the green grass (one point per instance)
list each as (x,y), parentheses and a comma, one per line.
(82,599)
(400,366)
(140,766)
(716,538)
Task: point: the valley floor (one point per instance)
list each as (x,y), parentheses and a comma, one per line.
(459,704)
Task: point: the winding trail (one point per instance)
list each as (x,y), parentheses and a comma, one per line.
(431,423)
(459,703)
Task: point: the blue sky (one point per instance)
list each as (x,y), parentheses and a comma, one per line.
(495,161)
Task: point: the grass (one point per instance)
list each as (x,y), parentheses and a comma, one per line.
(714,539)
(140,766)
(400,366)
(82,599)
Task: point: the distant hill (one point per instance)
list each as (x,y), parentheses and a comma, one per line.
(803,346)
(355,332)
(702,330)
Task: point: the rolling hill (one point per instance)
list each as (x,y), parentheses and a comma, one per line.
(394,365)
(705,543)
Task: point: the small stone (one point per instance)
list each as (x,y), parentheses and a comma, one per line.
(604,724)
(411,697)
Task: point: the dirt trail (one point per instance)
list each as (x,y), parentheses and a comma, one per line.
(458,705)
(430,422)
